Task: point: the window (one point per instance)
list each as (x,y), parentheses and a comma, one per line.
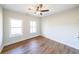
(15,27)
(33,26)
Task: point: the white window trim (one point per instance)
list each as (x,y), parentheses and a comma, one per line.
(14,35)
(31,27)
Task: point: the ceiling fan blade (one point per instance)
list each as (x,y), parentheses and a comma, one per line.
(44,10)
(40,5)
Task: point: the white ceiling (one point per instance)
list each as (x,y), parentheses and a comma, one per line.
(23,8)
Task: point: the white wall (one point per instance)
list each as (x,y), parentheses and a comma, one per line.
(26,30)
(63,27)
(1,28)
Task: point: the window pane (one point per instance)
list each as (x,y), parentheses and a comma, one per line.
(34,30)
(15,27)
(17,31)
(32,27)
(34,24)
(15,23)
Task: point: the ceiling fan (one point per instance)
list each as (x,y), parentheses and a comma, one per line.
(39,8)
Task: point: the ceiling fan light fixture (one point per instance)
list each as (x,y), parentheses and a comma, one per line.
(39,9)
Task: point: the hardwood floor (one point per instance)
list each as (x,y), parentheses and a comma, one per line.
(38,45)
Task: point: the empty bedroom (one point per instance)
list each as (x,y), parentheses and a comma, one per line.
(39,28)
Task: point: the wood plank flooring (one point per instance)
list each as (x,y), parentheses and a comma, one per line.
(38,45)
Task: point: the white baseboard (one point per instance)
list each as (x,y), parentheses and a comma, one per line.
(36,36)
(61,42)
(1,49)
(19,40)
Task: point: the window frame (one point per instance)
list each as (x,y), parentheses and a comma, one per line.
(33,28)
(10,27)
